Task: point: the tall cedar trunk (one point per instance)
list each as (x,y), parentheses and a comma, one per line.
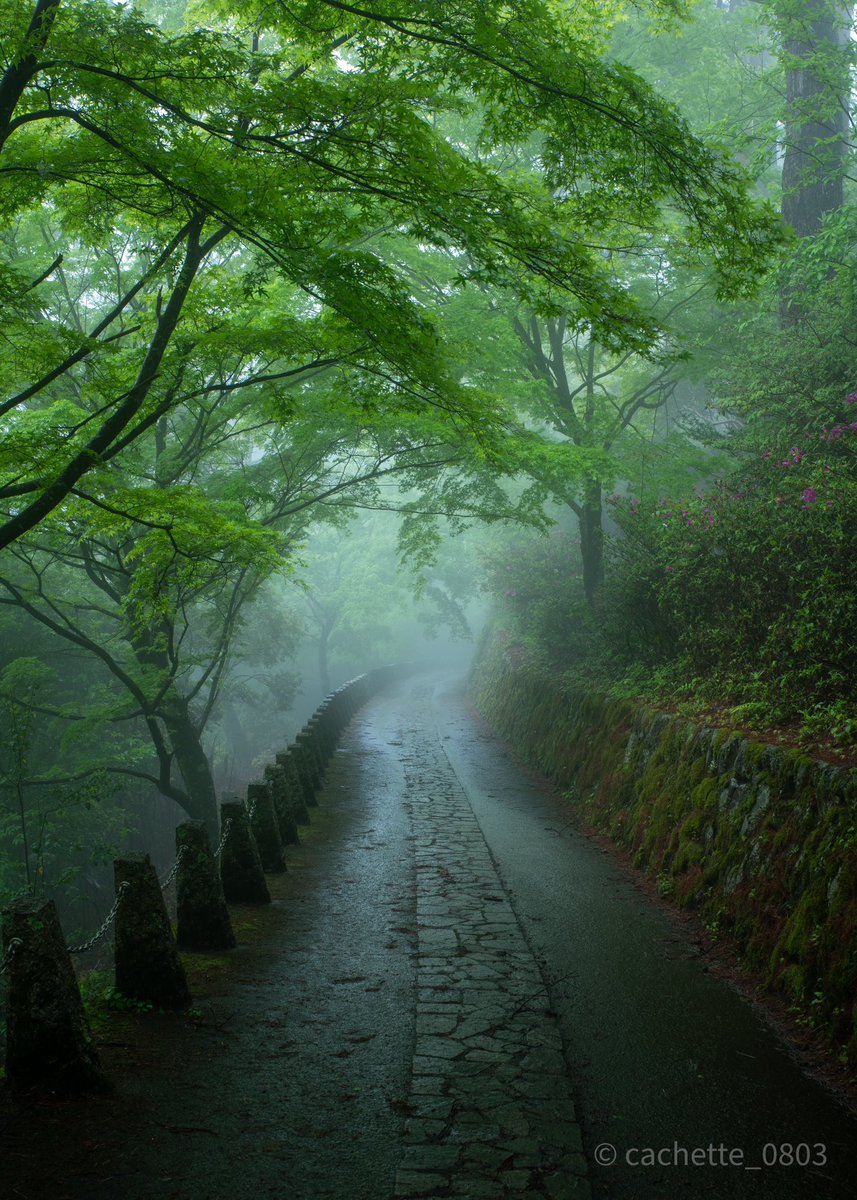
(816,116)
(816,124)
(592,541)
(193,763)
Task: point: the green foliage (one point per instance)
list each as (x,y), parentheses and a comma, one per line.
(534,581)
(788,379)
(750,589)
(285,153)
(717,67)
(248,255)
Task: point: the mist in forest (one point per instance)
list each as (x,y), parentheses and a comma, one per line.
(396,350)
(352,605)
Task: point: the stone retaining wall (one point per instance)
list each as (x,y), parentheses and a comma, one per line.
(759,840)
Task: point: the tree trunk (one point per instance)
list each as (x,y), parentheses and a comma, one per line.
(816,108)
(592,541)
(193,763)
(185,740)
(817,92)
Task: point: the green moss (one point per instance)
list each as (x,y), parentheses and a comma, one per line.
(801,926)
(705,796)
(689,854)
(783,886)
(195,961)
(755,753)
(784,837)
(698,770)
(793,983)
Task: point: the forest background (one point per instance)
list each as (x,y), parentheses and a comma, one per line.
(326,323)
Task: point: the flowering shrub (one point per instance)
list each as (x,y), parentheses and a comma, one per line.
(751,589)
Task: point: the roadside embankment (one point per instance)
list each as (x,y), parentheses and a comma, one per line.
(760,841)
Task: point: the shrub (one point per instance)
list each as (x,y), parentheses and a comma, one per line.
(752,586)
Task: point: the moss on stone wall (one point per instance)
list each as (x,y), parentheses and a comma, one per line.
(761,842)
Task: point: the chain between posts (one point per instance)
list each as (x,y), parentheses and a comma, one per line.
(227,825)
(165,883)
(11,950)
(105,924)
(112,915)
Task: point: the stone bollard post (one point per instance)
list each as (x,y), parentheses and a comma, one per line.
(317,745)
(266,829)
(294,788)
(203,918)
(240,866)
(346,708)
(319,726)
(305,741)
(275,777)
(146,962)
(319,723)
(48,1040)
(304,773)
(336,714)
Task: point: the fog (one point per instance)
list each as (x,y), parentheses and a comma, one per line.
(352,605)
(508,334)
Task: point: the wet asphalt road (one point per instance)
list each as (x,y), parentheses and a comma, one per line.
(300,1081)
(663,1056)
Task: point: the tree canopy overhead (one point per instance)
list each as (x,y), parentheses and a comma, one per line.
(281,138)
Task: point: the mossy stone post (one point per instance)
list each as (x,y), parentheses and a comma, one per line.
(317,747)
(335,710)
(266,828)
(203,918)
(240,865)
(48,1040)
(275,778)
(294,788)
(342,709)
(147,966)
(307,757)
(310,757)
(319,726)
(304,773)
(350,698)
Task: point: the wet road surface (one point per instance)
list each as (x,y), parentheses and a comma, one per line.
(664,1059)
(458,995)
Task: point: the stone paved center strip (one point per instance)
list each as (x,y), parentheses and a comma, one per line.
(491,1111)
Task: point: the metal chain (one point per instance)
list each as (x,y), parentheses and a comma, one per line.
(111,916)
(105,924)
(165,883)
(224,835)
(11,950)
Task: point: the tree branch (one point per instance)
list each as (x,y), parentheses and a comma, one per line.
(92,453)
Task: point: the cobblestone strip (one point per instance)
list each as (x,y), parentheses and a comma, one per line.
(490,1110)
